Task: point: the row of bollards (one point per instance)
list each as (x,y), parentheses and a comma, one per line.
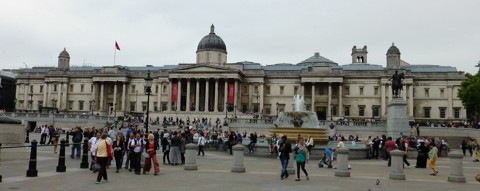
(32,164)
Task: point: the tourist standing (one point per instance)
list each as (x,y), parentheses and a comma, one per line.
(310,144)
(201,144)
(302,157)
(137,145)
(118,150)
(101,156)
(54,140)
(422,155)
(77,136)
(175,149)
(285,149)
(166,149)
(151,149)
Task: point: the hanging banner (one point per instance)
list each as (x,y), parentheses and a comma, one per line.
(174,92)
(231,93)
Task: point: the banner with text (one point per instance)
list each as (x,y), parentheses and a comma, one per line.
(231,93)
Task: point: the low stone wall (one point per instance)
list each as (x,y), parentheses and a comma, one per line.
(12,134)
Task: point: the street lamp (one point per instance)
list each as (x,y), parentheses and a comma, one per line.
(92,103)
(331,113)
(226,110)
(53,112)
(148,91)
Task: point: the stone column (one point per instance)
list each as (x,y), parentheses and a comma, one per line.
(404,92)
(190,157)
(159,97)
(114,98)
(215,104)
(382,100)
(169,106)
(238,152)
(235,94)
(456,168)
(225,94)
(250,96)
(450,102)
(396,168)
(207,84)
(123,95)
(329,111)
(94,95)
(340,100)
(179,94)
(188,95)
(25,99)
(342,163)
(302,89)
(410,100)
(261,98)
(102,87)
(313,98)
(45,90)
(389,89)
(59,96)
(197,95)
(65,95)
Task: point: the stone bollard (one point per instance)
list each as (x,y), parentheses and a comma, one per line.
(84,163)
(456,168)
(342,163)
(61,158)
(67,138)
(27,138)
(396,168)
(290,168)
(190,157)
(32,165)
(238,166)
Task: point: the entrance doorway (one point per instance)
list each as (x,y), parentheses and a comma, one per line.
(321,113)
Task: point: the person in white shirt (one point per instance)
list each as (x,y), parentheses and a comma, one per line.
(92,145)
(137,145)
(201,144)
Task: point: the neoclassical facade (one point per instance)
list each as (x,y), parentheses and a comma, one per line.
(214,87)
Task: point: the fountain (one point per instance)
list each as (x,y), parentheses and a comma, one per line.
(300,122)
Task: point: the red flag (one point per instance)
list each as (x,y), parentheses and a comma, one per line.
(116,45)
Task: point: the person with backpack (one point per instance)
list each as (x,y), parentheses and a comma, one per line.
(137,146)
(403,146)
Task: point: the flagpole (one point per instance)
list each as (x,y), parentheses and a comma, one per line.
(114,55)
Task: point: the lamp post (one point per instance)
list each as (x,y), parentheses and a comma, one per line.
(148,91)
(92,103)
(331,113)
(226,110)
(53,111)
(258,105)
(235,110)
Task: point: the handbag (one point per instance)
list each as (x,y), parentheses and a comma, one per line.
(146,155)
(109,151)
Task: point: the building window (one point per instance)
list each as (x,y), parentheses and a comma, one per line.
(346,111)
(456,112)
(281,89)
(144,106)
(80,105)
(268,109)
(375,111)
(245,90)
(361,91)
(334,91)
(375,91)
(346,90)
(31,89)
(295,90)
(40,104)
(55,88)
(361,110)
(133,89)
(267,90)
(321,91)
(70,105)
(132,106)
(442,112)
(426,112)
(91,87)
(71,88)
(427,92)
(41,88)
(82,87)
(334,111)
(156,89)
(442,92)
(164,88)
(155,106)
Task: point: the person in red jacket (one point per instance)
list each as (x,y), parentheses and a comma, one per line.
(389,146)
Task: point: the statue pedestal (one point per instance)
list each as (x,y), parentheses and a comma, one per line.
(397,120)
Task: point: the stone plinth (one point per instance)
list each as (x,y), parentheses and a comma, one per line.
(238,166)
(456,168)
(12,132)
(190,157)
(396,168)
(342,163)
(397,120)
(290,168)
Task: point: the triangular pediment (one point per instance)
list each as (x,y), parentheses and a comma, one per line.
(204,68)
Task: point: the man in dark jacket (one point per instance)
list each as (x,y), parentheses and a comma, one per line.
(77,137)
(285,150)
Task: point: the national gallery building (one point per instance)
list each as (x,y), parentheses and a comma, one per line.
(214,87)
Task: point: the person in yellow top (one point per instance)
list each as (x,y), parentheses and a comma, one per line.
(101,156)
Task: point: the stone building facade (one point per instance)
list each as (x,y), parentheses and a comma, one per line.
(357,90)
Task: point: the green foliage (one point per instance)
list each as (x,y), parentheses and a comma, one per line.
(469,93)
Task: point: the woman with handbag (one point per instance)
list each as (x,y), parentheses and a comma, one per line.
(118,150)
(150,148)
(102,154)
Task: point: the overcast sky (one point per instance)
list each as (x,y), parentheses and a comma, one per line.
(435,32)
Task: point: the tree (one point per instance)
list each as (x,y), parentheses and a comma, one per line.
(469,93)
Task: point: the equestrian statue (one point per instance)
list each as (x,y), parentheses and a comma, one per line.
(397,85)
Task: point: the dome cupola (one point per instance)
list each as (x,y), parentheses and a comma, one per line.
(211,49)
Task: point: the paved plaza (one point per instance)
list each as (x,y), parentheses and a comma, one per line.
(214,174)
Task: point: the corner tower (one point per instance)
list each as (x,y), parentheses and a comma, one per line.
(359,55)
(212,49)
(393,57)
(64,60)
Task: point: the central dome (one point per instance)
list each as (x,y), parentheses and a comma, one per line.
(212,42)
